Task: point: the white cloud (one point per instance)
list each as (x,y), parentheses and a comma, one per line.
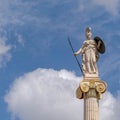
(5,56)
(43,94)
(108,107)
(110,5)
(49,94)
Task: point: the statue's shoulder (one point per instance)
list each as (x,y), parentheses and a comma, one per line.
(91,41)
(88,41)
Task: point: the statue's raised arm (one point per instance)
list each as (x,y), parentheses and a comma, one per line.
(90,54)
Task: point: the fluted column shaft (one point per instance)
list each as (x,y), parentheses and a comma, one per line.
(91,109)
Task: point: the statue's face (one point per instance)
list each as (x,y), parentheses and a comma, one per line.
(88,34)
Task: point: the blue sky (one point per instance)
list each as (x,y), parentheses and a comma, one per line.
(36,62)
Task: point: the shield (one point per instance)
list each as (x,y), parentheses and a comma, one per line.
(100,44)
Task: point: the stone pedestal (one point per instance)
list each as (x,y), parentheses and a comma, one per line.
(91,90)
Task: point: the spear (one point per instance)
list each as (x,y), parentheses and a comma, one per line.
(74,55)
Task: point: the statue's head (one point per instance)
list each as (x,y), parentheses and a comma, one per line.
(88,33)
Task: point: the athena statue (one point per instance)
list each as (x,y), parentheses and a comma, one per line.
(90,54)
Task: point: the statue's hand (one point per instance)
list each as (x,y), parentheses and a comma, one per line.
(75,54)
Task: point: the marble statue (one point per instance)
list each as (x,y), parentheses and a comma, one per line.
(90,55)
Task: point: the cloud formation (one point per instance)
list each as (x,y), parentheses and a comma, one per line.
(43,94)
(5,56)
(49,94)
